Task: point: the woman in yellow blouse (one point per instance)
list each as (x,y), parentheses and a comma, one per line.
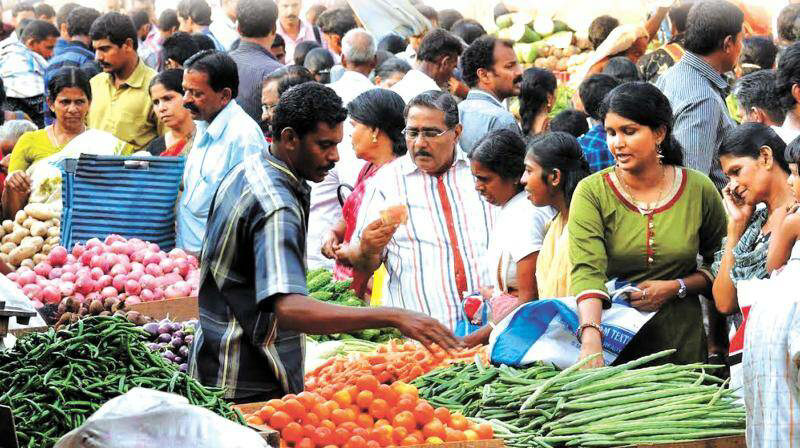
(69,97)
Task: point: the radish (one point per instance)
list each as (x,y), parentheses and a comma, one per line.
(43,269)
(132,287)
(57,256)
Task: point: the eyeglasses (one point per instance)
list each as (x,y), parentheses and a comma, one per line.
(427,133)
(265,108)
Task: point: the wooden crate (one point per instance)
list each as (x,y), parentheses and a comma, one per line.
(270,435)
(719,442)
(179,309)
(496,443)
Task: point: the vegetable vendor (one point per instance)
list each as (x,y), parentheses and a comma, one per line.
(253,294)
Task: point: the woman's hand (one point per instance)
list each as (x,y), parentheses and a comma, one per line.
(591,343)
(330,244)
(654,294)
(738,211)
(344,255)
(5,163)
(19,182)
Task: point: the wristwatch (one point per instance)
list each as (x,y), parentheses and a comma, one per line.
(682,290)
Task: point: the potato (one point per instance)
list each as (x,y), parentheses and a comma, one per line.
(20,217)
(4,258)
(15,237)
(53,240)
(46,248)
(38,258)
(22,253)
(22,231)
(6,248)
(2,232)
(8,226)
(41,212)
(53,231)
(37,241)
(28,222)
(39,228)
(57,222)
(28,263)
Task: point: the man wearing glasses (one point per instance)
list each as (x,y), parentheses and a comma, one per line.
(436,256)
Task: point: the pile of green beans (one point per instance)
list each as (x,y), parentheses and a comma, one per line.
(54,381)
(540,406)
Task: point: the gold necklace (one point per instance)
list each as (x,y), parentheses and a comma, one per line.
(58,140)
(642,210)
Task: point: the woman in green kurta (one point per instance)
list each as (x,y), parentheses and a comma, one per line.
(645,221)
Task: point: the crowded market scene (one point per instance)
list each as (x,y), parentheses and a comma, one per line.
(467,223)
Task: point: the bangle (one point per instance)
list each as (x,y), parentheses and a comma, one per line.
(579,333)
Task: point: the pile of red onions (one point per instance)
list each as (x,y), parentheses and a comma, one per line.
(131,270)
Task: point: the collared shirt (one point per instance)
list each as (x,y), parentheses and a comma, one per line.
(69,54)
(224,29)
(414,83)
(22,71)
(217,44)
(218,147)
(595,148)
(151,50)
(253,62)
(697,94)
(480,114)
(125,112)
(254,250)
(11,39)
(440,253)
(351,85)
(306,33)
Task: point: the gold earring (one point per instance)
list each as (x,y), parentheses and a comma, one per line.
(660,154)
(374,138)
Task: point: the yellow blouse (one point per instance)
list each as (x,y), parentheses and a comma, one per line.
(30,148)
(553,266)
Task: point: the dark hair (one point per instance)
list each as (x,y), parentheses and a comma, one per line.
(623,69)
(679,14)
(68,77)
(303,107)
(560,151)
(302,49)
(468,30)
(758,89)
(219,67)
(80,20)
(600,28)
(643,103)
(438,43)
(502,151)
(747,139)
(788,74)
(536,84)
(171,79)
(438,100)
(197,10)
(336,21)
(571,121)
(2,100)
(43,9)
(500,9)
(319,61)
(392,43)
(179,47)
(788,22)
(140,18)
(256,18)
(39,30)
(168,20)
(710,22)
(289,76)
(447,17)
(480,55)
(115,27)
(203,41)
(393,65)
(278,41)
(792,153)
(593,90)
(759,51)
(382,56)
(317,9)
(381,109)
(63,12)
(428,12)
(20,7)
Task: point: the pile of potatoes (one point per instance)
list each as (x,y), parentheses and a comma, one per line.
(28,239)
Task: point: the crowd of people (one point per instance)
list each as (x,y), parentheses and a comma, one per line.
(302,136)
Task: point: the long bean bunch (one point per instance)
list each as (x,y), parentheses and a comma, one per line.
(54,381)
(610,406)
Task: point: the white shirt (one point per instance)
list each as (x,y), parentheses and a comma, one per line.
(449,225)
(414,83)
(786,134)
(224,29)
(350,85)
(518,232)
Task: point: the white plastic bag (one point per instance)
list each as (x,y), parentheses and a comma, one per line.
(544,330)
(145,418)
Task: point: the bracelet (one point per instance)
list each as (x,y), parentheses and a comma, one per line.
(579,333)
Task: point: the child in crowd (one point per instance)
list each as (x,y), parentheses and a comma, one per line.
(782,246)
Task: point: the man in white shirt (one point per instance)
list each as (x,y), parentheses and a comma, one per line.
(223,27)
(358,60)
(292,28)
(436,61)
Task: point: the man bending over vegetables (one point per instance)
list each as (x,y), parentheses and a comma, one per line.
(254,306)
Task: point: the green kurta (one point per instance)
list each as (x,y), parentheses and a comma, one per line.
(610,238)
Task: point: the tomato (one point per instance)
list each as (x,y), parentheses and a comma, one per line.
(363,432)
(343,398)
(308,431)
(406,420)
(459,422)
(443,414)
(364,399)
(307,399)
(356,442)
(367,382)
(276,404)
(292,432)
(399,433)
(353,391)
(378,407)
(331,405)
(341,436)
(288,397)
(254,420)
(454,435)
(404,388)
(305,443)
(408,397)
(373,444)
(485,431)
(327,424)
(434,441)
(279,420)
(365,421)
(471,435)
(265,413)
(434,428)
(386,393)
(382,422)
(350,426)
(294,408)
(382,434)
(410,440)
(322,410)
(323,436)
(310,419)
(423,412)
(339,416)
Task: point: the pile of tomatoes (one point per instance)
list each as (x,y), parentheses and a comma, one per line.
(365,415)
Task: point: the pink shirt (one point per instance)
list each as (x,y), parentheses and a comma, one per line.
(306,33)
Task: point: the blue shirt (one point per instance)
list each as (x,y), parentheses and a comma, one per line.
(253,62)
(480,114)
(68,54)
(218,147)
(595,148)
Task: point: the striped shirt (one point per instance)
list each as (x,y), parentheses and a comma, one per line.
(441,252)
(697,94)
(595,147)
(254,250)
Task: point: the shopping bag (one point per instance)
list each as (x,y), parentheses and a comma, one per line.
(545,330)
(129,196)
